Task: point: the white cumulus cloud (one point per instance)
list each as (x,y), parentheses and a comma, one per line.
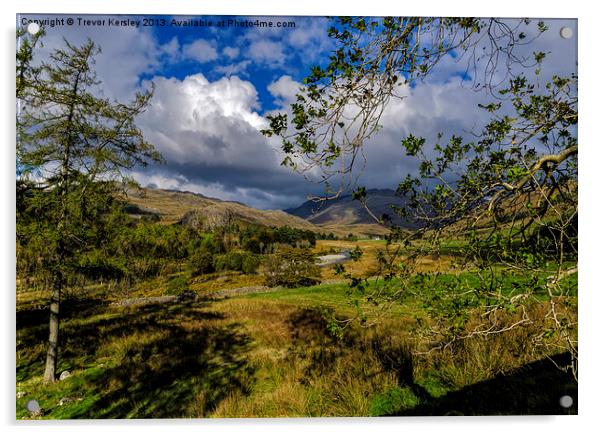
(231,52)
(200,50)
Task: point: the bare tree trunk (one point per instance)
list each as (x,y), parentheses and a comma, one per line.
(53,336)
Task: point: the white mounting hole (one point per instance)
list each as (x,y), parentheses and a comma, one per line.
(33,28)
(33,406)
(566,33)
(566,401)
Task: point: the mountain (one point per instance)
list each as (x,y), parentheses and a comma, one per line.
(171,206)
(344,211)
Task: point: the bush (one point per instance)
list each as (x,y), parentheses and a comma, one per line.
(253,245)
(230,261)
(98,265)
(237,261)
(209,244)
(292,268)
(177,286)
(250,263)
(142,268)
(201,263)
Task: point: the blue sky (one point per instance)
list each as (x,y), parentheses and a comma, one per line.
(261,53)
(215,85)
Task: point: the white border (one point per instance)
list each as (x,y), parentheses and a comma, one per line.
(590,210)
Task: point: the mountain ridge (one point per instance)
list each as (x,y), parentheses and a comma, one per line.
(346,211)
(184,207)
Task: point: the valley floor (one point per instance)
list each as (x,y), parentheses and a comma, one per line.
(265,355)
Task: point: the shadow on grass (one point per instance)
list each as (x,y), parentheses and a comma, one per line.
(312,342)
(159,360)
(70,308)
(532,389)
(32,334)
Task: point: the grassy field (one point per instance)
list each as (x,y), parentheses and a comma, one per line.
(271,354)
(275,353)
(368,265)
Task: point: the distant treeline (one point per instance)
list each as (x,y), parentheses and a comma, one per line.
(133,249)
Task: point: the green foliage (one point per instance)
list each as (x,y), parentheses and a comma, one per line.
(97,264)
(70,141)
(237,261)
(393,401)
(372,58)
(509,193)
(208,243)
(177,285)
(250,263)
(326,236)
(229,261)
(351,237)
(66,222)
(259,239)
(356,253)
(95,223)
(292,268)
(413,145)
(201,262)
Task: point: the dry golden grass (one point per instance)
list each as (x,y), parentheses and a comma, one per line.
(367,265)
(358,229)
(260,356)
(223,281)
(268,355)
(171,207)
(301,370)
(32,299)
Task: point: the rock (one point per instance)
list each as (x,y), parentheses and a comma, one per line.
(187,296)
(21,394)
(65,400)
(64,375)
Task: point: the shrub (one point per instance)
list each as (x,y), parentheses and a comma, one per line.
(252,244)
(177,286)
(229,261)
(237,261)
(292,268)
(141,268)
(209,244)
(201,263)
(98,265)
(250,263)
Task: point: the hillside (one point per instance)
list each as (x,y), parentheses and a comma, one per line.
(171,206)
(344,211)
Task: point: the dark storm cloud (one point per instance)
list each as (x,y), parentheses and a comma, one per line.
(209,130)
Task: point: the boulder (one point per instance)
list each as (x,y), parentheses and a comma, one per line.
(66,400)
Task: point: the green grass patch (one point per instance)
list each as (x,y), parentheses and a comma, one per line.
(393,401)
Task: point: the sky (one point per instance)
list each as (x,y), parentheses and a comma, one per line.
(215,85)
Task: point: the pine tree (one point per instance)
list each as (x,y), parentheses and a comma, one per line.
(74,149)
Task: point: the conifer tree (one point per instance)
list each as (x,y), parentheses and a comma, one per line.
(74,149)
